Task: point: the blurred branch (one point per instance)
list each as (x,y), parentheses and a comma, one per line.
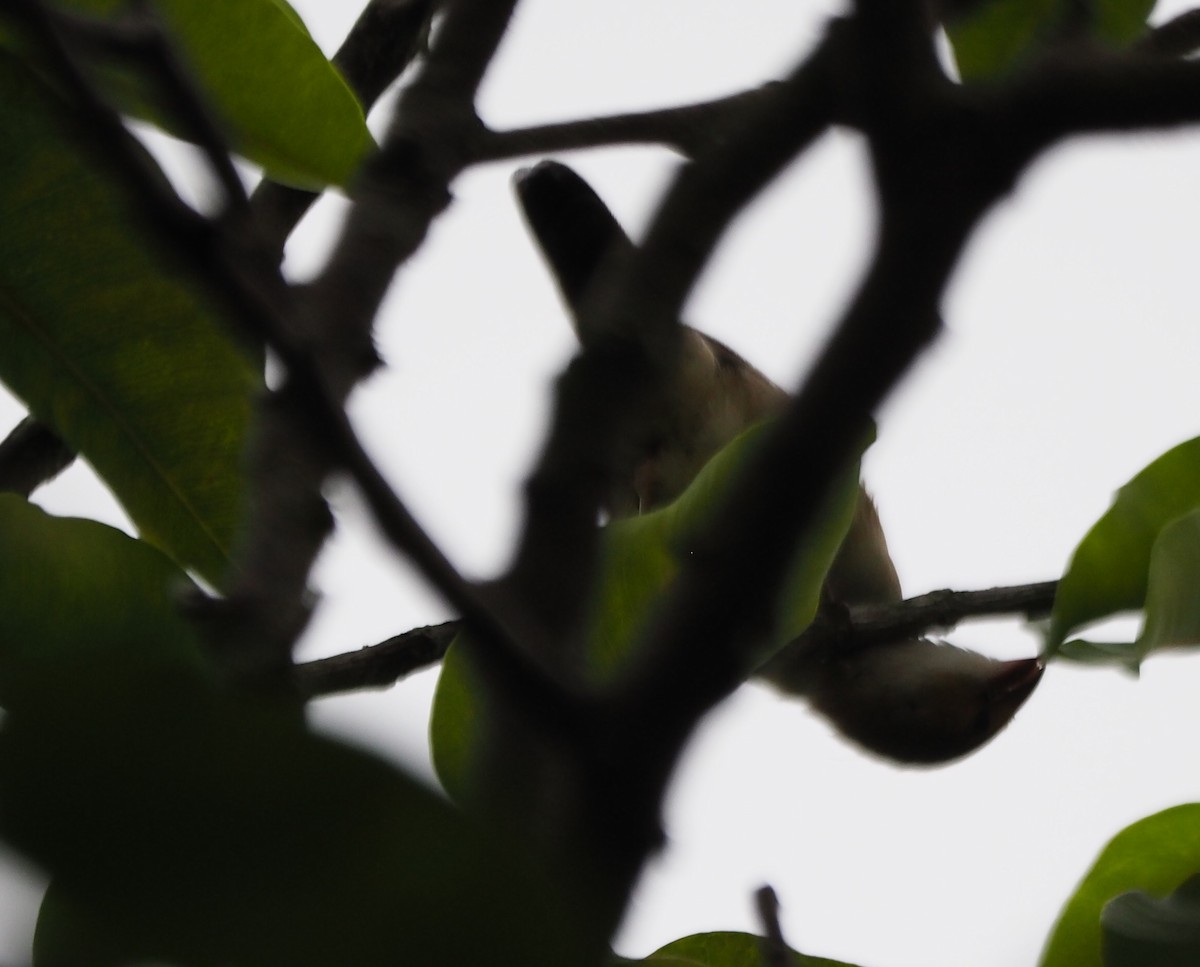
(942,155)
(691,129)
(402,189)
(936,175)
(1178,37)
(383,42)
(1105,93)
(636,301)
(405,185)
(31,455)
(302,431)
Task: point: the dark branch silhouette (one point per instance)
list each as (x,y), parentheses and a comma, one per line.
(943,154)
(381,45)
(31,455)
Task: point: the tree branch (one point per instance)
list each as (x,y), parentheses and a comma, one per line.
(1106,92)
(31,455)
(704,636)
(386,663)
(302,432)
(691,129)
(383,42)
(920,615)
(636,300)
(1177,37)
(325,341)
(376,666)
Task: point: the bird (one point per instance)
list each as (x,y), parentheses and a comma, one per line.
(913,701)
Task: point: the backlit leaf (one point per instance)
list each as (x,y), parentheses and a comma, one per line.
(1154,855)
(109,344)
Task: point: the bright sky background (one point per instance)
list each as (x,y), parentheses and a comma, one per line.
(1068,362)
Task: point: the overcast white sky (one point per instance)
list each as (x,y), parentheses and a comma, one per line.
(1069,361)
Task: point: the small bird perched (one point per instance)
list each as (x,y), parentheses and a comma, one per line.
(913,701)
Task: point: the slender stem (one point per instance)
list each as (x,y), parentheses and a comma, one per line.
(383,664)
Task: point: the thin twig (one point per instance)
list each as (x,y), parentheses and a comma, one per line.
(376,666)
(775,952)
(933,611)
(383,664)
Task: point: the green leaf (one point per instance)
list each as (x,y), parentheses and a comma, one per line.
(277,98)
(70,931)
(1145,931)
(77,592)
(725,948)
(1001,34)
(1154,855)
(456,723)
(107,344)
(1172,604)
(1110,569)
(182,823)
(184,826)
(1087,652)
(640,557)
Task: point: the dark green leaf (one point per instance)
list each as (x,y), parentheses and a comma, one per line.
(1120,22)
(643,554)
(1088,652)
(184,824)
(185,827)
(1109,571)
(1172,602)
(725,948)
(75,592)
(455,724)
(996,37)
(1154,855)
(106,343)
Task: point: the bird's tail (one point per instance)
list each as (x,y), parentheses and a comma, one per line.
(573,227)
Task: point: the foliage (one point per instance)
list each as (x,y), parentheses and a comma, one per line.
(723,949)
(188,814)
(640,558)
(1140,553)
(1156,854)
(116,350)
(278,100)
